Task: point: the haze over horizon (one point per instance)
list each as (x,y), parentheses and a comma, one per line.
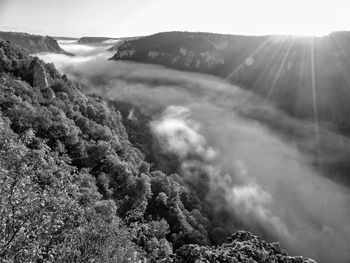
(136,17)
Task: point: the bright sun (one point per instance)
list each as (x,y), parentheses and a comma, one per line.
(139,17)
(297,17)
(305,30)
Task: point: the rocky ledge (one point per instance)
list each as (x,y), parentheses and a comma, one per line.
(242,247)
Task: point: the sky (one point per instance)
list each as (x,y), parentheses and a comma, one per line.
(121,18)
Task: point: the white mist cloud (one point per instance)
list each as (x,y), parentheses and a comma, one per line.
(86,50)
(180,135)
(112,41)
(82,54)
(60,60)
(252,201)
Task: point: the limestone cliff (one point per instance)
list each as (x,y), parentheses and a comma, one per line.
(40,78)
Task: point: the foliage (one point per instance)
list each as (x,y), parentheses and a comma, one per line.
(73,185)
(51,213)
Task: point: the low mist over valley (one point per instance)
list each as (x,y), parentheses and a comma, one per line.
(252,163)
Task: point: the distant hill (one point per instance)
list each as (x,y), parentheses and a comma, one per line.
(99,40)
(200,52)
(299,74)
(33,43)
(65,38)
(94,40)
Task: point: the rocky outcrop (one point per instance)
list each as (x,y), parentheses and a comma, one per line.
(14,60)
(40,78)
(33,43)
(242,247)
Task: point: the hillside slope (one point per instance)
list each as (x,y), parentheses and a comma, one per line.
(74,188)
(298,74)
(33,43)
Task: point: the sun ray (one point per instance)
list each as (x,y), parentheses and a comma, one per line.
(314,98)
(262,45)
(344,54)
(274,82)
(340,46)
(270,59)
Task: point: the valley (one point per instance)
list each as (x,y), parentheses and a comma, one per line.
(181,159)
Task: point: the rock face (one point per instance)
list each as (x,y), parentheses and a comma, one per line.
(33,43)
(14,60)
(242,247)
(40,78)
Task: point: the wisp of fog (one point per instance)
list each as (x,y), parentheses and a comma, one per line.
(263,164)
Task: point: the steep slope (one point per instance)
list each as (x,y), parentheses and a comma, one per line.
(298,74)
(33,43)
(74,188)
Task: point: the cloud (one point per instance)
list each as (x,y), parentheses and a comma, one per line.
(112,41)
(83,53)
(266,169)
(177,133)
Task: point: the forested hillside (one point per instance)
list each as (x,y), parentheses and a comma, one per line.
(77,185)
